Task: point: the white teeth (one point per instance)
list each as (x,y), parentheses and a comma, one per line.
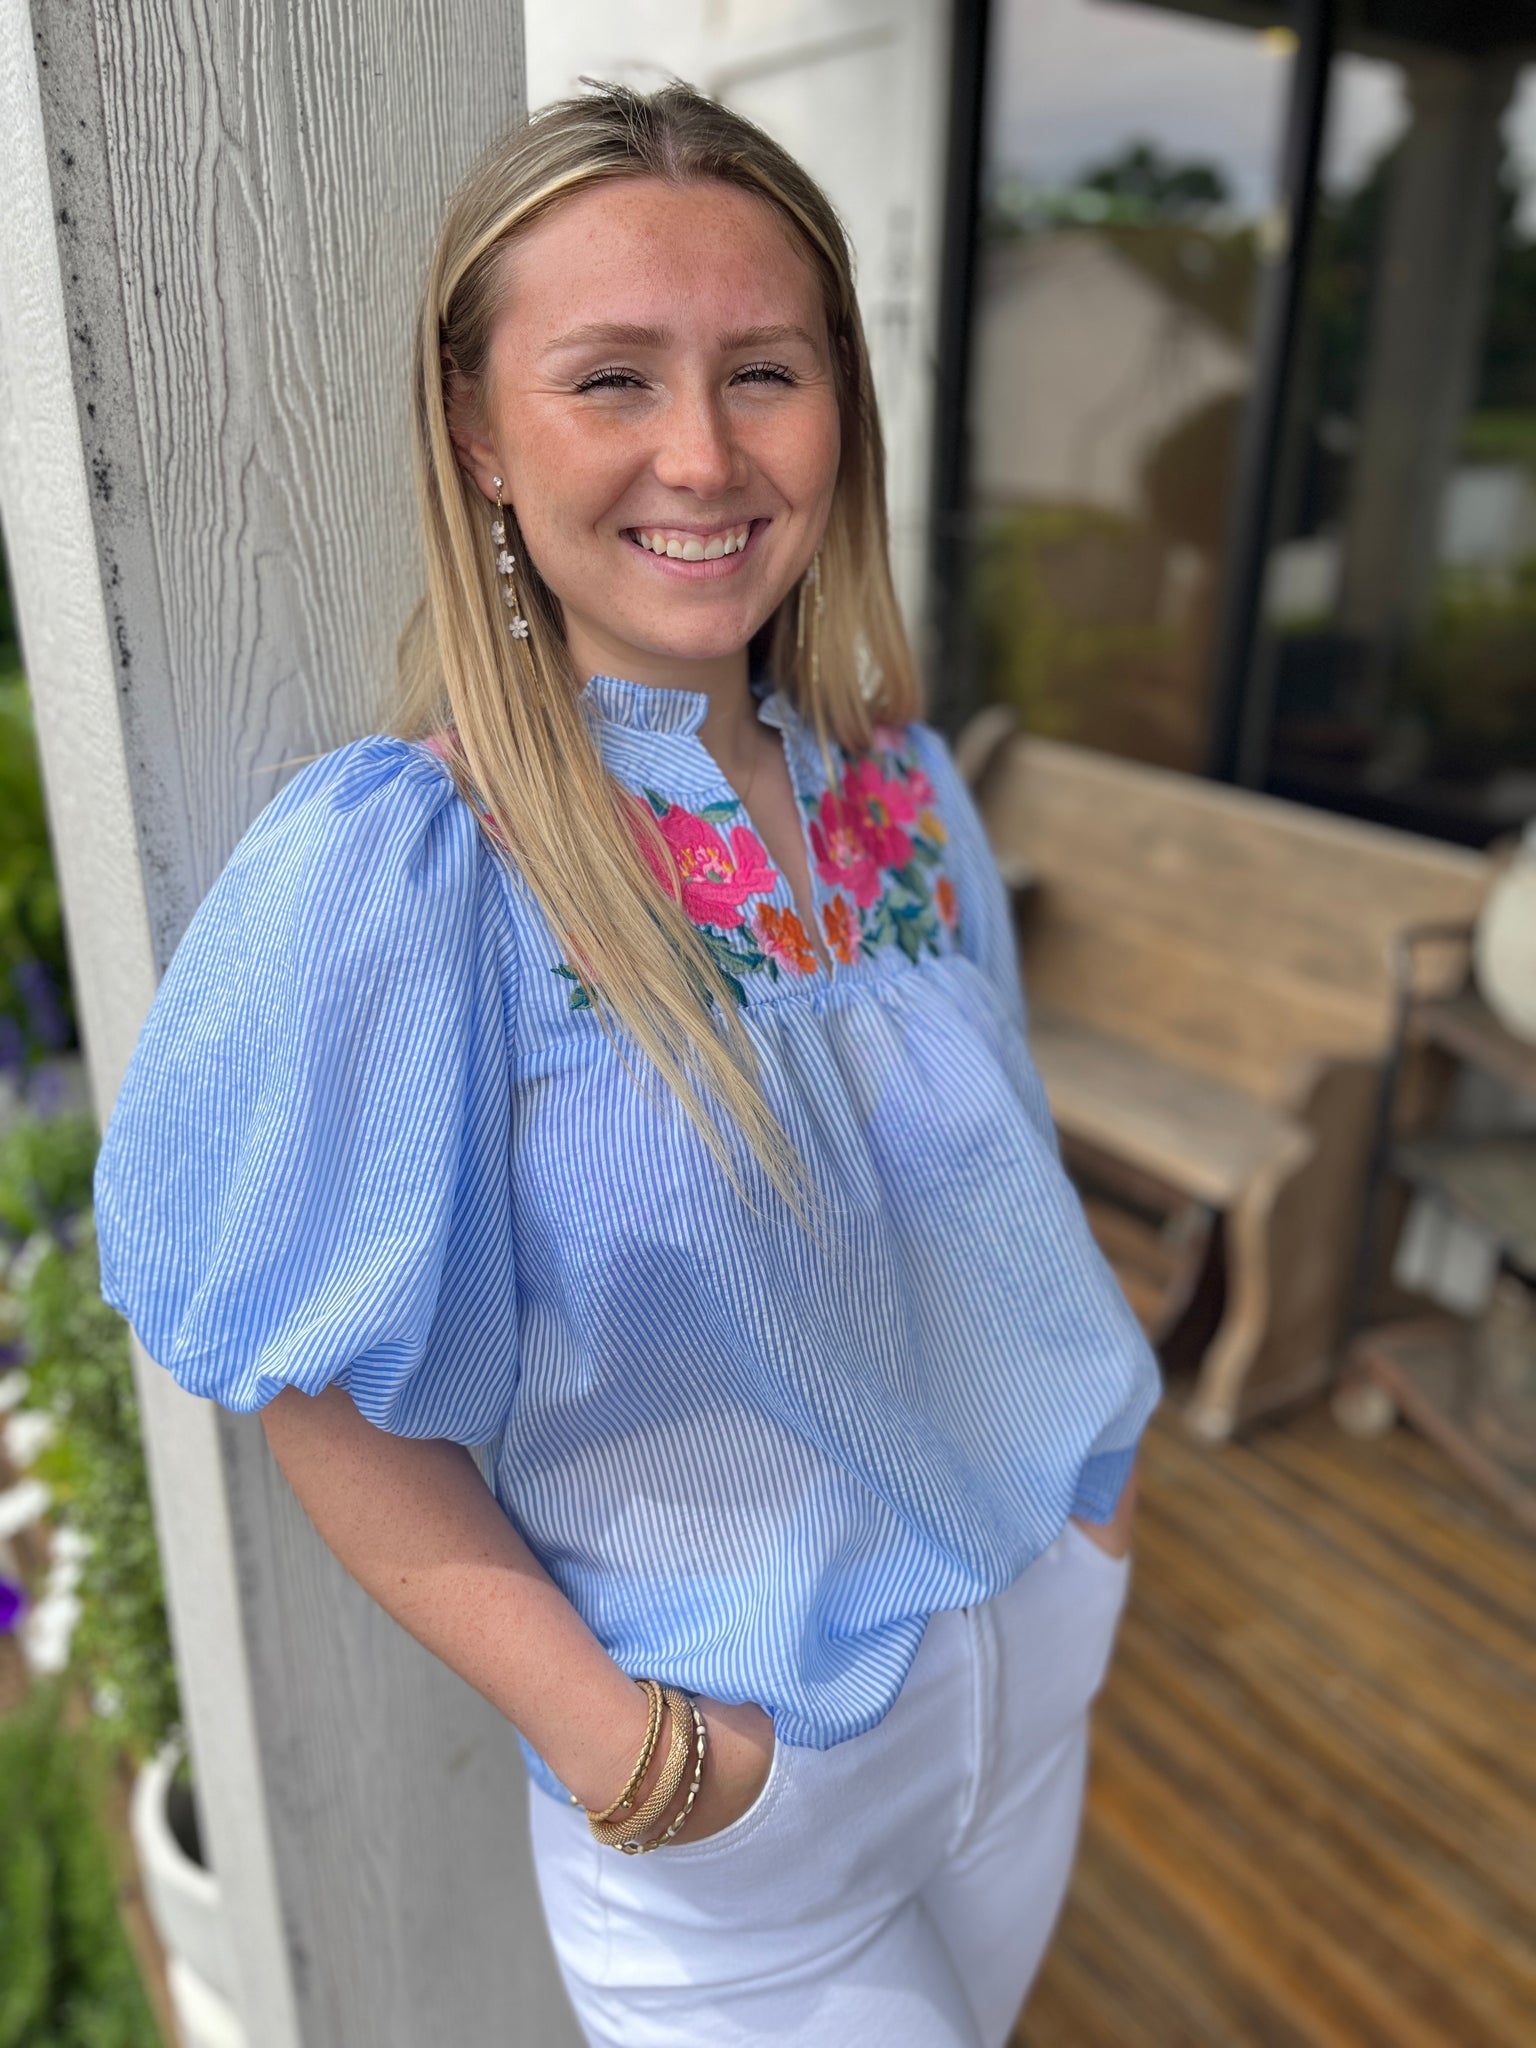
(693,549)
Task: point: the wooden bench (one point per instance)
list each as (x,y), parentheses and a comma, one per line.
(1210,1003)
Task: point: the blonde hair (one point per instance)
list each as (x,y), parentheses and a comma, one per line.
(516,740)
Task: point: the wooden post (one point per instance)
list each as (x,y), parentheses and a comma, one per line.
(215,222)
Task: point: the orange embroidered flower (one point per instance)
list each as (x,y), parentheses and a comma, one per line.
(948,903)
(929,825)
(783,938)
(842,929)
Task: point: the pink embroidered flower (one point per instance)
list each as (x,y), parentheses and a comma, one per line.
(880,806)
(717,878)
(890,739)
(783,938)
(842,929)
(843,856)
(946,899)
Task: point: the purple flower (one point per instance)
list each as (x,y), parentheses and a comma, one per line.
(13,1600)
(45,1013)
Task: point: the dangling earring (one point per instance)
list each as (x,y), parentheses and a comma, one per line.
(809,634)
(517,625)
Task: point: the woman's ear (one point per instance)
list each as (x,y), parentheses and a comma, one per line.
(476,455)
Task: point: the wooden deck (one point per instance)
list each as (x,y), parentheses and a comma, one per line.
(1312,1797)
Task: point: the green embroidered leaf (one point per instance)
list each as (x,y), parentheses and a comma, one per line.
(717,813)
(658,803)
(727,956)
(909,937)
(580,999)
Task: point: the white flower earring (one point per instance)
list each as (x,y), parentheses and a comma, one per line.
(506,562)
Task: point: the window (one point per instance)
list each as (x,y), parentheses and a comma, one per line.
(1250,467)
(1128,178)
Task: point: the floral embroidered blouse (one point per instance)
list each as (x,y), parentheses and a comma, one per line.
(373,1133)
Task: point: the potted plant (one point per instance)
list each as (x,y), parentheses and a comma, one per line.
(103,1591)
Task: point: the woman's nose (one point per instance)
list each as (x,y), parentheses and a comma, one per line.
(698,451)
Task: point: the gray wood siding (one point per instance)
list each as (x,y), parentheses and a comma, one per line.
(213,226)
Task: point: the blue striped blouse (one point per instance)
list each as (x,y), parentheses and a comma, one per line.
(373,1133)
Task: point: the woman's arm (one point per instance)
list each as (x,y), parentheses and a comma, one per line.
(417,1527)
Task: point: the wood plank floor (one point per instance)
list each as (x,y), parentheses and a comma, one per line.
(1311,1813)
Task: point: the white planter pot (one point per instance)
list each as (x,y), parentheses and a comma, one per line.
(1505,943)
(188,1911)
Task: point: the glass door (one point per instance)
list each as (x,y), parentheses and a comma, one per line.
(1394,670)
(1128,190)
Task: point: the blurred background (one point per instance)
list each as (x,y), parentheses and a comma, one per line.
(1248,483)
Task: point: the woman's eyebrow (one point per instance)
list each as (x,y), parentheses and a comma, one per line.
(614,333)
(620,334)
(765,337)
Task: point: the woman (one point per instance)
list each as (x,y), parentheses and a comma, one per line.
(621,1062)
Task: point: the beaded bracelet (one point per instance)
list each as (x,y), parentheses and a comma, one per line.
(640,1848)
(613,1833)
(652,1693)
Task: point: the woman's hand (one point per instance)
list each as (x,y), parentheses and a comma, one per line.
(738,1751)
(1114,1536)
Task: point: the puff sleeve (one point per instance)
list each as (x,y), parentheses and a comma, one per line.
(986,915)
(304,1179)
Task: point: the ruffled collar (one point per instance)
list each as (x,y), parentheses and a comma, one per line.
(614,700)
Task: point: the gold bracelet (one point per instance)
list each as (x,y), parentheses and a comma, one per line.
(652,1693)
(640,1848)
(613,1833)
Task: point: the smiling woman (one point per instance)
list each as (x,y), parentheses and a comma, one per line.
(621,1062)
(636,448)
(595,331)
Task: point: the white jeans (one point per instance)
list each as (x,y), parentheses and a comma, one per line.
(897,1890)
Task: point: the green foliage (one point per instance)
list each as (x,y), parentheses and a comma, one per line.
(10,653)
(1160,185)
(31,922)
(1469,678)
(45,1172)
(1055,659)
(67,1974)
(79,1371)
(1347,249)
(1495,436)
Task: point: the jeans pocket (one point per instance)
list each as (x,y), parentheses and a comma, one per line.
(730,1837)
(1078,1537)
